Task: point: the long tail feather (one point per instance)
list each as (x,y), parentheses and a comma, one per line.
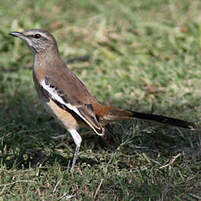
(165,120)
(115,114)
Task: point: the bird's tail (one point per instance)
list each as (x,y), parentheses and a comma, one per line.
(115,114)
(165,120)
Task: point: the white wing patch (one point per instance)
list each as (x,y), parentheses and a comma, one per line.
(55,96)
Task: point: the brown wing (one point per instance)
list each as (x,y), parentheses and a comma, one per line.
(69,93)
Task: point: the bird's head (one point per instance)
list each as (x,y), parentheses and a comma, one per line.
(37,40)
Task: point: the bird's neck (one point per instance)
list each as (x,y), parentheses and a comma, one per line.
(46,58)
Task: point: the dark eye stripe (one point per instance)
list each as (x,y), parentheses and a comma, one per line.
(35,36)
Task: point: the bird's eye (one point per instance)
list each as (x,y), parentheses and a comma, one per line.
(37,36)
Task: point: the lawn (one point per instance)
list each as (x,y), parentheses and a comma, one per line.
(143,56)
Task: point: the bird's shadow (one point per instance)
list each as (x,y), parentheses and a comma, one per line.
(27,137)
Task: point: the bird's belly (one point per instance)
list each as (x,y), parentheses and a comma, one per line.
(62,116)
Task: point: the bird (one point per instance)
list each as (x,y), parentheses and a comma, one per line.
(67,98)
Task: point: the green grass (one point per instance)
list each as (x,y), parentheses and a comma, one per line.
(144,56)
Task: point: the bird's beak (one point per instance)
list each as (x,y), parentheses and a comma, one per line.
(17,34)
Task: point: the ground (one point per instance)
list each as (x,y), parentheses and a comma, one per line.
(143,56)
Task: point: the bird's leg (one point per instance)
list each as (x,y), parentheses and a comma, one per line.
(77,139)
(74,157)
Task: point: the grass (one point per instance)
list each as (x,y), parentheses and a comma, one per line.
(144,56)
